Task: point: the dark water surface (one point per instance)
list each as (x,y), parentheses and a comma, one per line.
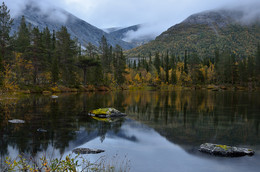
(162,132)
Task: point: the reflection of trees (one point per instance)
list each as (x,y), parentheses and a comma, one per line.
(183,117)
(61,117)
(194,117)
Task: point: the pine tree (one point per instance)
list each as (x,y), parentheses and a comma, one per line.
(106,54)
(119,65)
(23,38)
(185,62)
(84,63)
(167,66)
(55,70)
(47,45)
(66,50)
(257,63)
(35,53)
(157,62)
(5,27)
(173,77)
(91,50)
(172,61)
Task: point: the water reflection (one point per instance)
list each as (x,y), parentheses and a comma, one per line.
(193,117)
(186,118)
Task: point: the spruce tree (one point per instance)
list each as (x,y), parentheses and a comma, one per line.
(157,62)
(106,54)
(185,62)
(119,65)
(5,27)
(23,37)
(257,63)
(167,66)
(66,50)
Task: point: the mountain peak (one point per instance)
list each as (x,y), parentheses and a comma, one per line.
(55,18)
(220,18)
(203,33)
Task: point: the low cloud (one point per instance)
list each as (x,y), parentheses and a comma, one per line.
(158,15)
(43,8)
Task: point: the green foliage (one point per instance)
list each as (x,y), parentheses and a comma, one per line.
(157,62)
(23,37)
(242,39)
(119,62)
(69,163)
(5,27)
(197,56)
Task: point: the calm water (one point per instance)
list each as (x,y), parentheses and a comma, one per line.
(162,131)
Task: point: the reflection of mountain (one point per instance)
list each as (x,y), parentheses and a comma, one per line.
(187,118)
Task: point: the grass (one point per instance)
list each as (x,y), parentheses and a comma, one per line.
(68,164)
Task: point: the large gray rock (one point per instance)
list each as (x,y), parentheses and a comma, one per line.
(224,150)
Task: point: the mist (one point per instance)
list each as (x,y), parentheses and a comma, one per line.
(250,12)
(44,8)
(158,16)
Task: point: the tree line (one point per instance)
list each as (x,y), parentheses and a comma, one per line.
(42,58)
(223,68)
(34,57)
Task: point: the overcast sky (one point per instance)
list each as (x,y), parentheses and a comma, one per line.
(157,14)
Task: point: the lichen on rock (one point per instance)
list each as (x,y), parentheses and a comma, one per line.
(224,150)
(106,113)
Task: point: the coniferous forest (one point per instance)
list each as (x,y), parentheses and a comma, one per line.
(37,60)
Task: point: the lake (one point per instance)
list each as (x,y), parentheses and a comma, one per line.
(162,131)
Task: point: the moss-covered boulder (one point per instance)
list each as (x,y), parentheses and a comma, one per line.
(106,113)
(224,150)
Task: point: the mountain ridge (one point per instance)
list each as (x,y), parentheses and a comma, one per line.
(78,28)
(205,32)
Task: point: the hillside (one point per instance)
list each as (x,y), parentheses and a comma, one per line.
(204,32)
(122,34)
(55,18)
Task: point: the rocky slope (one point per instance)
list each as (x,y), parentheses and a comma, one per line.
(204,32)
(124,33)
(55,18)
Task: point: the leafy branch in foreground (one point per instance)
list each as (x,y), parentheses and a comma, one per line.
(69,164)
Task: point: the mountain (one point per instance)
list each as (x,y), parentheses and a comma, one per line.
(55,18)
(203,33)
(111,29)
(121,32)
(125,35)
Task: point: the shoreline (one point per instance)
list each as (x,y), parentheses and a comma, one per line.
(91,88)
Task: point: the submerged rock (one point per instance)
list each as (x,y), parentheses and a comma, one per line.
(109,120)
(87,151)
(106,113)
(42,130)
(16,121)
(54,96)
(224,150)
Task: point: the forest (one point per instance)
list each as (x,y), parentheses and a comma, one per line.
(39,60)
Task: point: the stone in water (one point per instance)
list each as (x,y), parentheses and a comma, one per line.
(16,121)
(106,113)
(224,150)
